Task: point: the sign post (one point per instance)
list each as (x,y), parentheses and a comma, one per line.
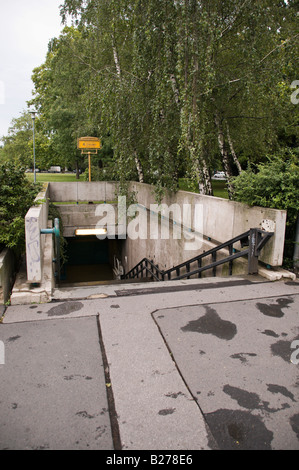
(89,146)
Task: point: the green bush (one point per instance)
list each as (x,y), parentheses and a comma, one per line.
(16,196)
(100,174)
(273,184)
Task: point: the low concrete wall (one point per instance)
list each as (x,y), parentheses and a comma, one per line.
(35,220)
(222,219)
(7,272)
(25,293)
(82,191)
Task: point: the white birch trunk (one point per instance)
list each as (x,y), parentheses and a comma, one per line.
(224,154)
(139,168)
(230,143)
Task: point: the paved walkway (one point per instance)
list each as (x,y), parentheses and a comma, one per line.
(169,366)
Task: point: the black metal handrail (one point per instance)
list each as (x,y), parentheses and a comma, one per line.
(254,238)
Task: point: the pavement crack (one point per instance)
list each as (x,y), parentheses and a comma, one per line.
(109,391)
(212,442)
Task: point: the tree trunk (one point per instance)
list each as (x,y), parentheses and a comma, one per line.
(224,154)
(203,178)
(230,143)
(175,89)
(206,179)
(139,168)
(115,56)
(118,70)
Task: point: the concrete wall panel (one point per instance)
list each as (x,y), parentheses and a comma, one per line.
(7,271)
(224,219)
(82,191)
(35,220)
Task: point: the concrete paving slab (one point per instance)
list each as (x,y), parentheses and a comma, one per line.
(52,387)
(236,359)
(154,375)
(155,409)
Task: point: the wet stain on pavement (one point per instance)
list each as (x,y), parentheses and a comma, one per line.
(100,430)
(294,421)
(212,324)
(242,357)
(84,414)
(64,309)
(166,411)
(274,388)
(250,400)
(274,310)
(74,377)
(13,338)
(245,399)
(175,395)
(282,348)
(270,333)
(236,429)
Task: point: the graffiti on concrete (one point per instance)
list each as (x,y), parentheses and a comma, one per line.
(33,248)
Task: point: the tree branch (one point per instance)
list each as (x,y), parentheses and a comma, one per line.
(233,19)
(278,47)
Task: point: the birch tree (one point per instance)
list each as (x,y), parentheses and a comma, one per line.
(178,85)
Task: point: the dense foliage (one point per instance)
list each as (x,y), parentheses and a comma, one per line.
(16,197)
(175,87)
(275,184)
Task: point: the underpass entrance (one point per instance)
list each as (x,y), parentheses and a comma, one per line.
(89,261)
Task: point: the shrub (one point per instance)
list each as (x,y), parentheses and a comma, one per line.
(16,196)
(273,184)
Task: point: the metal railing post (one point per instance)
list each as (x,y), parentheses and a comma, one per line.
(252,255)
(56,231)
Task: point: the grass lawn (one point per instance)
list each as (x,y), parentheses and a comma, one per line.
(219,186)
(48,177)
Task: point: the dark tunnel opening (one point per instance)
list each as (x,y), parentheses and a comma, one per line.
(89,260)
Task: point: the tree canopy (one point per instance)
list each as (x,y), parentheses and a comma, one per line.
(174,88)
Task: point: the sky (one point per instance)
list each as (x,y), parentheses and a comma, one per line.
(26,26)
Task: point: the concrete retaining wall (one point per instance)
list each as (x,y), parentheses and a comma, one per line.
(7,273)
(35,220)
(26,293)
(222,219)
(82,191)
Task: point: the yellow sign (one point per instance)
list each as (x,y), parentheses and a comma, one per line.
(86,143)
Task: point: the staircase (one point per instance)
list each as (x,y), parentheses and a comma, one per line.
(254,239)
